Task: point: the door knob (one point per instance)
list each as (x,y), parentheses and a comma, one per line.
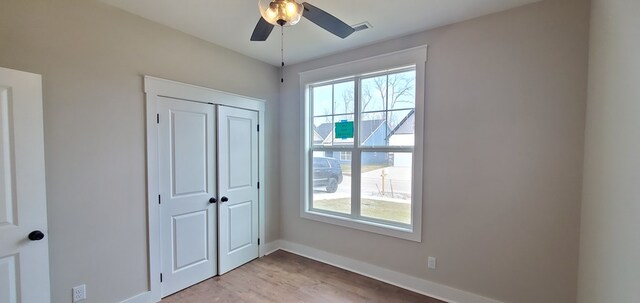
(224,199)
(213,200)
(36,235)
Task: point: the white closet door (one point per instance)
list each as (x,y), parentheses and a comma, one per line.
(24,252)
(186,154)
(238,182)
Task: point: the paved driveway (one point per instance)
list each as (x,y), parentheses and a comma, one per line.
(397,186)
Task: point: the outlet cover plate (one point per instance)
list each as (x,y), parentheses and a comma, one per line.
(79,293)
(431,263)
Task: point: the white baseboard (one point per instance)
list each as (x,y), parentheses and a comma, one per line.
(421,286)
(272,247)
(144,297)
(428,288)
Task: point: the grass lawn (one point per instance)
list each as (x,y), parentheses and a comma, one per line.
(378,209)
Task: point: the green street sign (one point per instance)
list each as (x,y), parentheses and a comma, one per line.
(344,129)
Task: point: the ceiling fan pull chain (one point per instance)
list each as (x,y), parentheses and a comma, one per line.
(282,53)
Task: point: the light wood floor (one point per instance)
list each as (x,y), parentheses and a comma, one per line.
(285,277)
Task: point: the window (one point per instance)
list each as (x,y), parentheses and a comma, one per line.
(345,156)
(363,150)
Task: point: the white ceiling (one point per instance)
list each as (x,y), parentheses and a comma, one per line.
(230,23)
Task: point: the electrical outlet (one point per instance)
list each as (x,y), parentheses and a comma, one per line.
(431,263)
(79,293)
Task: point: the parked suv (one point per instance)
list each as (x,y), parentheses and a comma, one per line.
(327,173)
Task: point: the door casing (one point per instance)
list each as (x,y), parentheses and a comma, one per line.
(155,87)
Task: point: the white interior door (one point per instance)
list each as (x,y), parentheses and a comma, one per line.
(238,182)
(24,252)
(186,154)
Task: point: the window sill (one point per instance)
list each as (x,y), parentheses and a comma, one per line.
(373,227)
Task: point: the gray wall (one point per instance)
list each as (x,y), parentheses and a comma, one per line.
(505,123)
(92,58)
(505,106)
(610,238)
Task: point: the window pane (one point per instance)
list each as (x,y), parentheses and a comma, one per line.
(345,156)
(322,130)
(343,138)
(373,93)
(373,129)
(389,122)
(343,98)
(386,186)
(402,126)
(332,181)
(402,90)
(322,96)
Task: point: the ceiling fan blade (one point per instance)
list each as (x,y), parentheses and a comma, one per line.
(262,31)
(326,21)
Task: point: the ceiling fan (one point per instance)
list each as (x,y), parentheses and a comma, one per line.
(288,12)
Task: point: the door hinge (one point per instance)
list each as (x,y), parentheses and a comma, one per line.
(258,241)
(157,118)
(258,185)
(258,126)
(160,278)
(159,200)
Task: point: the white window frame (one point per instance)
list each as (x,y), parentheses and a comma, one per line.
(410,57)
(345,156)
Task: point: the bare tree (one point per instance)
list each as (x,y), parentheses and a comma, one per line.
(347,100)
(400,85)
(392,89)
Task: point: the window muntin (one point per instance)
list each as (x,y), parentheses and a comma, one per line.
(382,107)
(345,156)
(388,99)
(333,102)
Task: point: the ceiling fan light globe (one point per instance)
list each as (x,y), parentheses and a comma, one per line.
(292,8)
(294,11)
(271,14)
(280,12)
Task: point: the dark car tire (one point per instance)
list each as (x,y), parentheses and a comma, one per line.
(332,186)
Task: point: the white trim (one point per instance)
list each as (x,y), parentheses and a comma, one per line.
(157,87)
(418,285)
(153,190)
(144,297)
(414,56)
(366,65)
(364,225)
(415,284)
(273,246)
(179,90)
